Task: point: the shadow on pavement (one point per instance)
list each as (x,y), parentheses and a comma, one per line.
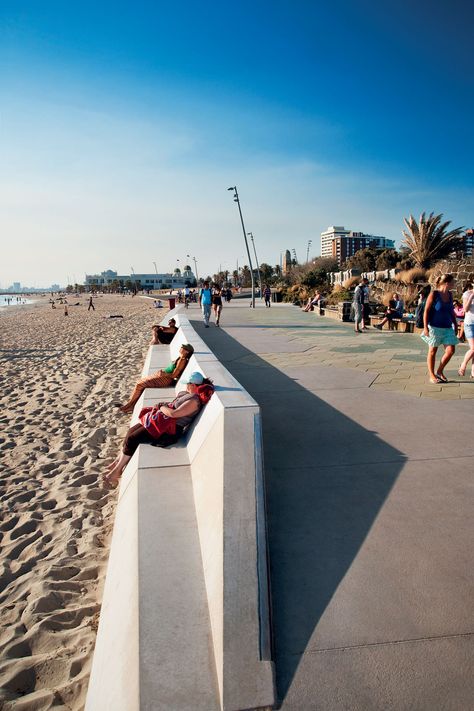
(326,481)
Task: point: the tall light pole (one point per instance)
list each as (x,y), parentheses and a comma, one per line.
(156,270)
(195,269)
(252,281)
(250,234)
(310,242)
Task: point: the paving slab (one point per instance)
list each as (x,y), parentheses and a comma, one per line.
(368,491)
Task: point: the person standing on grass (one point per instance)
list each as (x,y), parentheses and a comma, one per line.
(205,302)
(440,327)
(267,295)
(358,304)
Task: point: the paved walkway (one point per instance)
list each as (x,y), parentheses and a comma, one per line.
(369,496)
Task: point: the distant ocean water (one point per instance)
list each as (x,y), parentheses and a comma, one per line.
(14,300)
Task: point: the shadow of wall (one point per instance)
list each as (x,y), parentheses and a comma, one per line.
(326,479)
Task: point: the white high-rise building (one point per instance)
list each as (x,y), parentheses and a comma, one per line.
(328,237)
(339,243)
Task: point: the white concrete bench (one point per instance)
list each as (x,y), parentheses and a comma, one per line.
(185,614)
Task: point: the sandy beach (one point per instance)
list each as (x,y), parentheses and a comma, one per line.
(60,377)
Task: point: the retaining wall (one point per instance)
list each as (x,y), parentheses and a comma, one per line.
(185,620)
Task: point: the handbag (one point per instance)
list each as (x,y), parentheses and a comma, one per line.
(156,422)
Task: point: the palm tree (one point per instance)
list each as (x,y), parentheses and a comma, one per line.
(428,240)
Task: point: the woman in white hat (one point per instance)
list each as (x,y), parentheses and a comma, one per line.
(164,423)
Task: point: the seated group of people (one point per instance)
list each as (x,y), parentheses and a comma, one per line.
(164,423)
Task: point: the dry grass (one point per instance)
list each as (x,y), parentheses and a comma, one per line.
(351,282)
(412,276)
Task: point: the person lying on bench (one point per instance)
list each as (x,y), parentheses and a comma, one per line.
(166,378)
(163,334)
(164,423)
(394,310)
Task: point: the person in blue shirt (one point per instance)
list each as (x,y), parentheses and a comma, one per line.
(439,327)
(205,302)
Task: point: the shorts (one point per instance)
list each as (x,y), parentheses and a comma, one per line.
(469,330)
(440,337)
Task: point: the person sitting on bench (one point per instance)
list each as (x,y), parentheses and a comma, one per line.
(163,334)
(163,424)
(394,310)
(166,378)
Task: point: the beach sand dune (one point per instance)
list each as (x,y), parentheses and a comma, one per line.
(60,376)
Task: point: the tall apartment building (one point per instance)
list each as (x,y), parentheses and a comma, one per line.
(339,243)
(468,243)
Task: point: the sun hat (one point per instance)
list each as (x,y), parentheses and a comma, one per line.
(187,347)
(195,378)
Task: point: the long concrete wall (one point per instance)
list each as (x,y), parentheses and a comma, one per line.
(186,603)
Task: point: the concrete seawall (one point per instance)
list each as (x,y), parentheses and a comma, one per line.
(185,613)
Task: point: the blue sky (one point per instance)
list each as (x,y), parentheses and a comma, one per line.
(123,124)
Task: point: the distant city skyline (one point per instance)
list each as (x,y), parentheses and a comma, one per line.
(121,130)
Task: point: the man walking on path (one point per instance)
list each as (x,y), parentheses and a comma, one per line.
(91,305)
(205,301)
(358,304)
(267,294)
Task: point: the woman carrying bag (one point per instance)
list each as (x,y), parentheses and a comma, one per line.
(164,423)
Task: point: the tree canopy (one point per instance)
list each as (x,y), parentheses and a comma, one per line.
(429,239)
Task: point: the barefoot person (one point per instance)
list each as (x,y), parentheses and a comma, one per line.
(163,334)
(165,378)
(440,327)
(164,423)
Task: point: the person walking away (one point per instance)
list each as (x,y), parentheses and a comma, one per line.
(91,305)
(217,303)
(468,305)
(440,327)
(420,308)
(358,304)
(205,302)
(267,295)
(366,310)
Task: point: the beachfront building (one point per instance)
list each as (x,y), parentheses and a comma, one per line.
(467,243)
(340,244)
(109,278)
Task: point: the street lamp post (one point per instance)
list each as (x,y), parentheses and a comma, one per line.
(250,234)
(310,242)
(252,281)
(195,269)
(156,270)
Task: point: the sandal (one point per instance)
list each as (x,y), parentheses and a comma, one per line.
(442,377)
(436,381)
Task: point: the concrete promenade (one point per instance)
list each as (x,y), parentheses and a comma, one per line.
(369,493)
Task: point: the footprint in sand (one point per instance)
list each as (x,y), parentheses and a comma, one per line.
(27,527)
(85,480)
(49,504)
(8,525)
